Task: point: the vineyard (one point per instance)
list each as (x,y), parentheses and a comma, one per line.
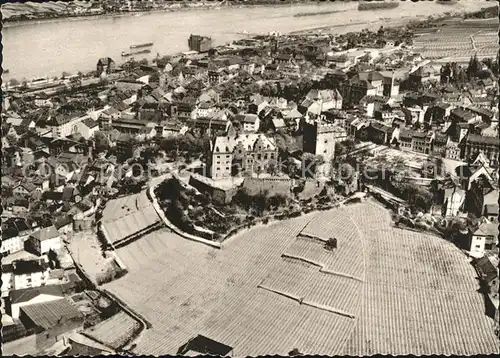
(458,43)
(126,216)
(274,288)
(420,297)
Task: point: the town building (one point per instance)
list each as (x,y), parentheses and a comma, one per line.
(319,138)
(483,239)
(30,296)
(489,146)
(42,241)
(454,199)
(249,122)
(65,125)
(199,43)
(244,154)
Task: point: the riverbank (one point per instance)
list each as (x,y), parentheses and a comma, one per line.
(30,50)
(64,17)
(174,8)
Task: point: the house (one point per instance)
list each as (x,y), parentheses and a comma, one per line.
(483,239)
(379,133)
(452,150)
(20,207)
(15,231)
(88,127)
(129,85)
(211,125)
(30,296)
(487,269)
(71,195)
(358,88)
(201,345)
(64,125)
(358,129)
(249,122)
(243,154)
(454,199)
(490,206)
(59,316)
(23,189)
(278,124)
(489,146)
(42,241)
(22,274)
(317,101)
(64,224)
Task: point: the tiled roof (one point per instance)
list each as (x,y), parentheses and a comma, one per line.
(52,313)
(27,294)
(227,144)
(487,229)
(46,233)
(246,118)
(476,138)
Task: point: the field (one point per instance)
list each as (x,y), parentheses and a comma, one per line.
(458,43)
(270,290)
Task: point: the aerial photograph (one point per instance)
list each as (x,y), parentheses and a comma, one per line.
(250,177)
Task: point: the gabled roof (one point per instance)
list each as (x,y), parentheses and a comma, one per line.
(246,118)
(49,314)
(27,294)
(46,233)
(487,229)
(486,268)
(278,123)
(227,144)
(476,138)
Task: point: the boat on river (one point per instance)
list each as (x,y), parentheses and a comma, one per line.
(148,44)
(127,54)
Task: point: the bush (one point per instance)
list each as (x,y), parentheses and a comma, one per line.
(331,244)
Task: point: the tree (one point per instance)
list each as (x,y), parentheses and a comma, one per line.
(64,75)
(13,82)
(331,244)
(294,352)
(474,67)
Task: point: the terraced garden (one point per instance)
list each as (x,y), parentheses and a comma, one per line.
(271,290)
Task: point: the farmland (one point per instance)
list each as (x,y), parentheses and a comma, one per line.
(271,290)
(458,43)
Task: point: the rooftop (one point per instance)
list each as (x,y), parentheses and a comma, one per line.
(46,233)
(27,294)
(50,314)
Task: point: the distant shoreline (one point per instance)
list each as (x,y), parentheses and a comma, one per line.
(208,6)
(13,23)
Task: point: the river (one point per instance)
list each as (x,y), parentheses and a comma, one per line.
(47,48)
